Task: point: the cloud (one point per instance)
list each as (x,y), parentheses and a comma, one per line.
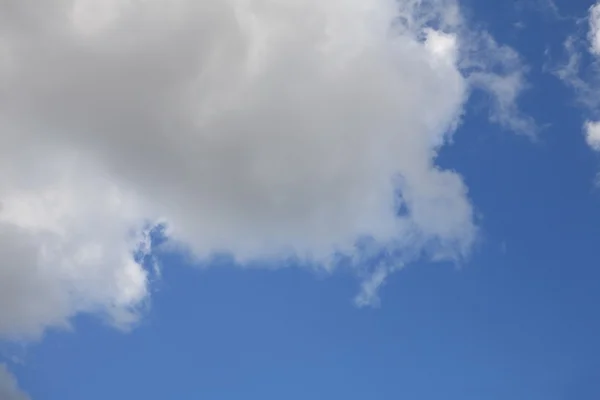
(369,289)
(549,8)
(594,29)
(592,135)
(262,128)
(581,72)
(9,389)
(485,58)
(592,129)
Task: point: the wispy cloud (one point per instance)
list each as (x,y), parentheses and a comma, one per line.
(547,8)
(581,71)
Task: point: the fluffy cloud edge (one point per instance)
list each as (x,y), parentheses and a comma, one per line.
(79,215)
(9,387)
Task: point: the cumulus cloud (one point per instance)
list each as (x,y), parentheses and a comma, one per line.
(9,389)
(262,128)
(592,135)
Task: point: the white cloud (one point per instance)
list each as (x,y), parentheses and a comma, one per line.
(369,288)
(264,128)
(592,135)
(594,29)
(485,58)
(9,389)
(583,75)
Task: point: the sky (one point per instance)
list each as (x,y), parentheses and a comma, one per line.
(292,199)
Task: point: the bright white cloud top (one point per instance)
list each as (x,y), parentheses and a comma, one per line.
(592,135)
(264,128)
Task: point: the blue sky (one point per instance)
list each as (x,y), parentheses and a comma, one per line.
(513,317)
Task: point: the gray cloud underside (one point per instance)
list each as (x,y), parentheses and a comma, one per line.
(264,128)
